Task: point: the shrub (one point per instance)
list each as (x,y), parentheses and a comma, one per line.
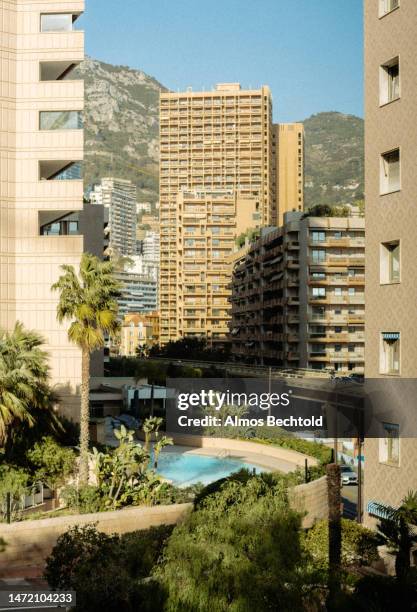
(53,463)
(240,550)
(359,545)
(107,571)
(84,500)
(13,481)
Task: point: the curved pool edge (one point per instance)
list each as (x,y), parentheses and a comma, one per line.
(265,455)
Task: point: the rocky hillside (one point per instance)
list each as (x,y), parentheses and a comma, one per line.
(334,159)
(121,138)
(121,126)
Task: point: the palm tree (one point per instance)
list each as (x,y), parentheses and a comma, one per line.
(157,448)
(396,528)
(88,300)
(24,390)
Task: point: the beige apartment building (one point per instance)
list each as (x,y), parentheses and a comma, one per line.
(208,225)
(138,331)
(215,144)
(288,152)
(391,249)
(298,296)
(41,187)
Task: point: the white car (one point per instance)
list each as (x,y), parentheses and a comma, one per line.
(348,476)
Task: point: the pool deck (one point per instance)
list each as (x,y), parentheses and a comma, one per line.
(272,464)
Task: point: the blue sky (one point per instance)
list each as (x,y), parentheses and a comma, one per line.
(308,51)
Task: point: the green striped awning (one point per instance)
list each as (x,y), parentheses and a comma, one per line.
(391,335)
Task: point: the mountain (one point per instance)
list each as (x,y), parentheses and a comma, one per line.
(121,137)
(334,159)
(121,125)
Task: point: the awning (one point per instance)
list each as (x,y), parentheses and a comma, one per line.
(391,335)
(377,509)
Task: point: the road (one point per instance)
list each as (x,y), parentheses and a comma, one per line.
(350,500)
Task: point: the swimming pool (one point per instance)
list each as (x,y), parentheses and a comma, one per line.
(184,468)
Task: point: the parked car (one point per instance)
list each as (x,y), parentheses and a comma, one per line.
(348,476)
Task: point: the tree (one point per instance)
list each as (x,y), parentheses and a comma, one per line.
(335,533)
(88,300)
(240,550)
(108,572)
(53,463)
(158,446)
(24,390)
(396,529)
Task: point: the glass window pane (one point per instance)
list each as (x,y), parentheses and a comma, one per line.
(56,22)
(60,120)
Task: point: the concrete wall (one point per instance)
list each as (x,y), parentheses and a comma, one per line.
(240,446)
(311,498)
(30,542)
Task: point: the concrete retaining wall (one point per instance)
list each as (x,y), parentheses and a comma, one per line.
(241,446)
(28,543)
(311,498)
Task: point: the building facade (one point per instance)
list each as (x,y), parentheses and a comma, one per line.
(41,187)
(288,155)
(298,296)
(212,141)
(139,293)
(119,197)
(139,331)
(391,249)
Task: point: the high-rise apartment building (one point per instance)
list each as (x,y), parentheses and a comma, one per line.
(119,196)
(298,295)
(288,155)
(41,188)
(220,143)
(391,247)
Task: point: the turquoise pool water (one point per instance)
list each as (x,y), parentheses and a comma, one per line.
(184,469)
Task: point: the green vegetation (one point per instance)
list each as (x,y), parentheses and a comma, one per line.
(53,463)
(190,348)
(13,482)
(25,397)
(89,302)
(325,210)
(334,159)
(107,572)
(397,530)
(359,545)
(250,235)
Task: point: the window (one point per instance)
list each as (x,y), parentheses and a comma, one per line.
(351,348)
(390,172)
(318,256)
(319,292)
(389,83)
(351,291)
(318,236)
(64,170)
(55,223)
(386,6)
(58,22)
(338,290)
(390,262)
(389,444)
(338,235)
(337,330)
(337,348)
(60,120)
(390,353)
(57,71)
(319,275)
